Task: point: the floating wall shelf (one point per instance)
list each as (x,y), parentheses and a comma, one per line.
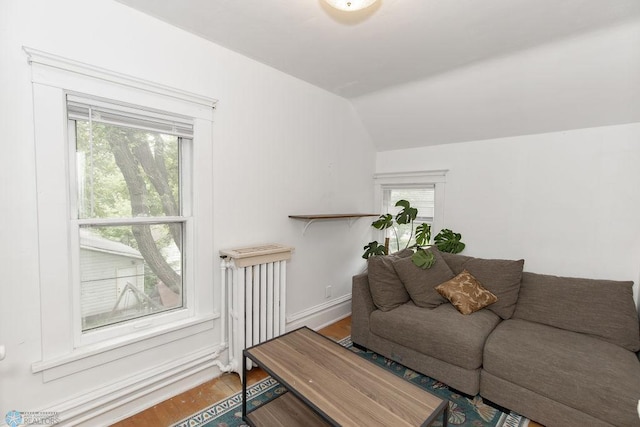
(310,219)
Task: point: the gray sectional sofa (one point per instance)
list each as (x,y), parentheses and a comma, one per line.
(560,351)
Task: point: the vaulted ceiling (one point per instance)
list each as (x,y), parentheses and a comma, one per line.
(423,72)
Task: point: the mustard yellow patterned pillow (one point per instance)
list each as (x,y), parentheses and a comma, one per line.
(466,293)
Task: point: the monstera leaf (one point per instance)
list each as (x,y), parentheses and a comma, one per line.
(384,222)
(448,241)
(423,259)
(407,214)
(423,234)
(373,248)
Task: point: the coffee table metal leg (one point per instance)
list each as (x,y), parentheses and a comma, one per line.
(445,415)
(244,387)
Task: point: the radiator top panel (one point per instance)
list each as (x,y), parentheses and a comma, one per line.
(258,254)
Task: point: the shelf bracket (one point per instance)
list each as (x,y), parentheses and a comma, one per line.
(306,225)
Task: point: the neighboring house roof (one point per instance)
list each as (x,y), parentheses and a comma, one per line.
(93,242)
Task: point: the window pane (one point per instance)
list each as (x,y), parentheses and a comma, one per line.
(125,172)
(129,271)
(422,199)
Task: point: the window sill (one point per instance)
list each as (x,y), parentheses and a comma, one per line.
(104,352)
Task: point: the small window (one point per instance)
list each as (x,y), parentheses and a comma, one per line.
(129,210)
(424,190)
(422,198)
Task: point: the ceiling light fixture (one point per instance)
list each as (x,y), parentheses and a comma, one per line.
(350,5)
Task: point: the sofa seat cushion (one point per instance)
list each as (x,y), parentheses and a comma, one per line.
(441,332)
(577,370)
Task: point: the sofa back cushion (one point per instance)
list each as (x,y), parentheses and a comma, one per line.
(421,283)
(601,308)
(455,261)
(387,291)
(501,277)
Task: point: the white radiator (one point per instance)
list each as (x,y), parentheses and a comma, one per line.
(254,287)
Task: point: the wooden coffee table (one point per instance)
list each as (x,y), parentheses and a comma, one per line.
(328,384)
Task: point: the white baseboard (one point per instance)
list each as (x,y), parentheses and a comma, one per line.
(109,404)
(115,402)
(321,315)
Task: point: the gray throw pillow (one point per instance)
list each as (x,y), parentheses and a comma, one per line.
(602,308)
(455,261)
(500,276)
(420,284)
(387,291)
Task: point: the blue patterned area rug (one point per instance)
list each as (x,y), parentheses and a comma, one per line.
(463,411)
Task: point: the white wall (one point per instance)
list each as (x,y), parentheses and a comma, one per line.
(566,202)
(282,147)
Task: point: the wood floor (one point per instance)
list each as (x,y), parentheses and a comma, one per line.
(181,406)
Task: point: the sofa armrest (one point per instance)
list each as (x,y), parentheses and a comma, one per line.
(361,308)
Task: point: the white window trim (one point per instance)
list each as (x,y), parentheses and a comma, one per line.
(52,78)
(51,61)
(95,355)
(437,178)
(133,326)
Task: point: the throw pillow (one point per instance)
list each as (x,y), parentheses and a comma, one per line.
(387,291)
(420,284)
(503,278)
(500,276)
(466,293)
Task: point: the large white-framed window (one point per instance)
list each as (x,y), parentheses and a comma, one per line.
(125,248)
(423,189)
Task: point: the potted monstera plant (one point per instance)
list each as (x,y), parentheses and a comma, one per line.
(446,240)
